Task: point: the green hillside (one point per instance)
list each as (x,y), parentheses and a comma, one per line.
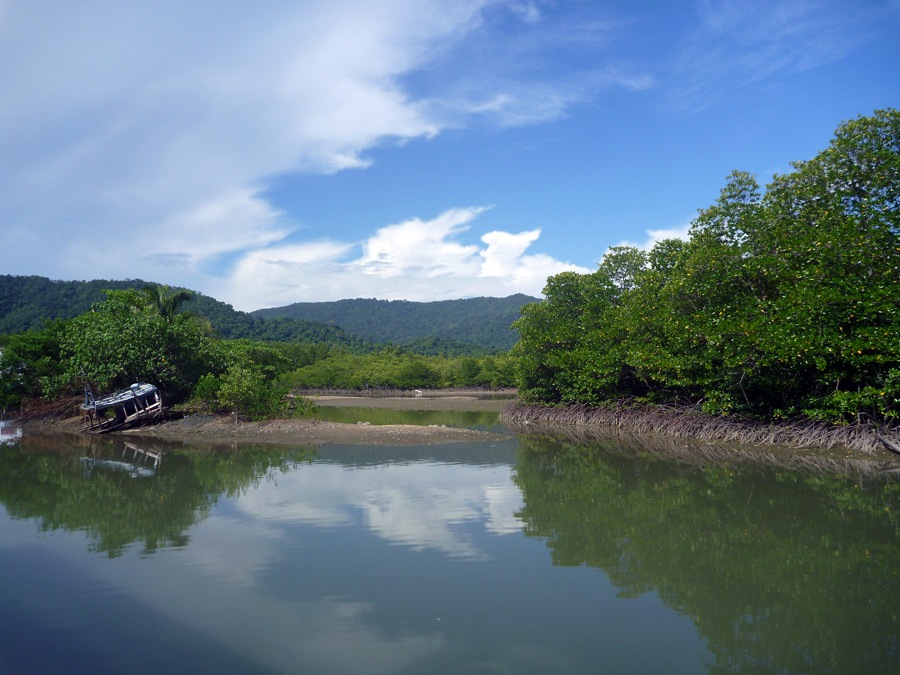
(28,302)
(485,322)
(451,327)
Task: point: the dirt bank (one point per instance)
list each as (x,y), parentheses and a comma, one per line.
(688,423)
(210,429)
(218,429)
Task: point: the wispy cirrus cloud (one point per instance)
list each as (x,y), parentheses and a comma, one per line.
(738,43)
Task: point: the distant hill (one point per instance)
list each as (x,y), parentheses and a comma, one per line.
(485,322)
(28,302)
(452,327)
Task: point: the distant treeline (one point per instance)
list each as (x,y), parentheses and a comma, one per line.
(150,335)
(470,327)
(486,322)
(784,303)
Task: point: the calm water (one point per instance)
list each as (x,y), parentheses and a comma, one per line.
(483,420)
(522,556)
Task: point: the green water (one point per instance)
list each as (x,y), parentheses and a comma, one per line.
(483,420)
(524,556)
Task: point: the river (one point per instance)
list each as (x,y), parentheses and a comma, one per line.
(520,555)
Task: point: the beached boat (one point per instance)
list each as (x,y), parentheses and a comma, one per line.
(141,403)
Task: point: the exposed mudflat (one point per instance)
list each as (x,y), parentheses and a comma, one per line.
(212,429)
(203,429)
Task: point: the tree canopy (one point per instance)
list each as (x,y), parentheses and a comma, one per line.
(782,302)
(477,325)
(127,339)
(146,335)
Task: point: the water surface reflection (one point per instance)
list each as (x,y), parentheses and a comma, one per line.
(526,555)
(779,571)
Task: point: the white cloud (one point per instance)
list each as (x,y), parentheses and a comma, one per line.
(504,250)
(655,236)
(413,260)
(739,42)
(417,245)
(137,138)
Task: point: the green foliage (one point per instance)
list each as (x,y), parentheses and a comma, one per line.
(125,340)
(27,303)
(461,327)
(570,349)
(392,368)
(471,327)
(246,390)
(254,383)
(142,335)
(30,365)
(243,389)
(784,302)
(167,304)
(207,390)
(470,372)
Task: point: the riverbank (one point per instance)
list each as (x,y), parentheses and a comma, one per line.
(687,436)
(217,429)
(208,429)
(670,431)
(689,423)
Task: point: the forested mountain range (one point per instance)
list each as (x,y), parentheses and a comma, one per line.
(29,301)
(482,321)
(454,327)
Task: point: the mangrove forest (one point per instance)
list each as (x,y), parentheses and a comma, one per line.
(783,303)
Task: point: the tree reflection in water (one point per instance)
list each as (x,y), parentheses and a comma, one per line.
(47,480)
(780,571)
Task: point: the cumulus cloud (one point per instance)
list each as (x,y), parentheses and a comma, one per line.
(413,260)
(417,245)
(652,237)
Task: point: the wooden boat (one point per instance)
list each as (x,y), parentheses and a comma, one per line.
(141,403)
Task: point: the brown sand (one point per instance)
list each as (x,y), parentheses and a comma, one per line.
(202,429)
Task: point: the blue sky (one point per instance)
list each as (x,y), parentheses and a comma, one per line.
(280,152)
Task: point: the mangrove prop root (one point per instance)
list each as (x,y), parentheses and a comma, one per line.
(689,422)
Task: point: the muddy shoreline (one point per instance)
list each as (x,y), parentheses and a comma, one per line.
(687,422)
(206,429)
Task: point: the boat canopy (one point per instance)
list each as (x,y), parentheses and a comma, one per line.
(137,390)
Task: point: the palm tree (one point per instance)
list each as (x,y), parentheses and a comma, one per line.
(166,304)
